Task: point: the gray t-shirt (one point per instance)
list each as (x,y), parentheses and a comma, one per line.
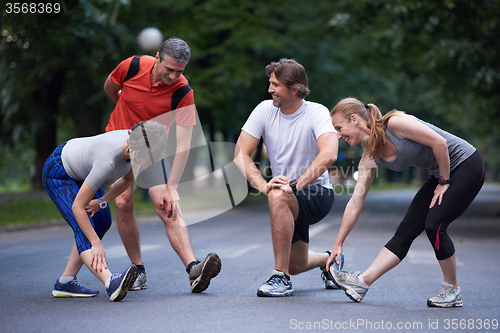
(291,139)
(99,160)
(414,154)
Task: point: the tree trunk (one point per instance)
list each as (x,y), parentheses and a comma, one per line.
(45,104)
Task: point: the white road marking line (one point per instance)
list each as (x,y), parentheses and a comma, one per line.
(233,252)
(242,251)
(318,228)
(118,251)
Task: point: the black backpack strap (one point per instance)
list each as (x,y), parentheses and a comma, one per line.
(133,69)
(179,94)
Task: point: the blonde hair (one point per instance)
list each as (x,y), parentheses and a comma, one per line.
(375,121)
(148,140)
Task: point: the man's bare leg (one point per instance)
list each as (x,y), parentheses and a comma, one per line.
(303,260)
(284,210)
(200,272)
(129,232)
(177,231)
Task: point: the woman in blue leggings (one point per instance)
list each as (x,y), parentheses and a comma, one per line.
(73,176)
(397,141)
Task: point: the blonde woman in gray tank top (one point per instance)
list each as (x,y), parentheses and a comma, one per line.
(397,141)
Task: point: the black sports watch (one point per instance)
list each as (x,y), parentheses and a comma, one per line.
(293,185)
(443,181)
(102,203)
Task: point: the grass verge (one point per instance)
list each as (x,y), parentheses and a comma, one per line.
(25,211)
(38,210)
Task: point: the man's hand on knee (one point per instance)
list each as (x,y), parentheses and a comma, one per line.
(276,182)
(169,202)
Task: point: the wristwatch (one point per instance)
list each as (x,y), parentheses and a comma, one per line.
(443,181)
(102,203)
(293,185)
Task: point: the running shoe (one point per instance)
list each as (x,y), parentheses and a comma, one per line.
(348,282)
(120,283)
(278,285)
(141,282)
(446,297)
(72,289)
(326,277)
(201,273)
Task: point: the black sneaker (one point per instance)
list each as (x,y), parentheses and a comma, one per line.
(329,284)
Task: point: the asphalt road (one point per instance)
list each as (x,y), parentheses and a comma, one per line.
(31,261)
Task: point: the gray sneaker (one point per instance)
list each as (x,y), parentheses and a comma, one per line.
(277,285)
(446,297)
(349,283)
(141,282)
(203,272)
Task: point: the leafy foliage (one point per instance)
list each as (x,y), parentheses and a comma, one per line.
(435,59)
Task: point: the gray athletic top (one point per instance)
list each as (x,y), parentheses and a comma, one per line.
(97,159)
(414,154)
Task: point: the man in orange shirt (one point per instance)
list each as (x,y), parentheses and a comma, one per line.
(143,88)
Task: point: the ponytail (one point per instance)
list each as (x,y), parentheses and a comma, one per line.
(374,120)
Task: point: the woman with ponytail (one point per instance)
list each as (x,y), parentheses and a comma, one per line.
(397,141)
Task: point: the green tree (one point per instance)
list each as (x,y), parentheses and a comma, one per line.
(441,59)
(51,69)
(436,59)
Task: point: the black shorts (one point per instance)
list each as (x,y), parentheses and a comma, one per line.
(315,202)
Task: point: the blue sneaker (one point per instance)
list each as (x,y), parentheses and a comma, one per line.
(72,289)
(120,283)
(329,284)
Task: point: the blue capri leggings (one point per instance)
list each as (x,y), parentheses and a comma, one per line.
(466,181)
(63,189)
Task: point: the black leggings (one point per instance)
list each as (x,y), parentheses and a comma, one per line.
(466,181)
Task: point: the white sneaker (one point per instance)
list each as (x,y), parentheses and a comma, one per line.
(349,283)
(446,297)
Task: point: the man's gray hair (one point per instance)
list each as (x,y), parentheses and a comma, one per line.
(175,48)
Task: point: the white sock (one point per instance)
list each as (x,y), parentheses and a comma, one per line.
(362,282)
(66,279)
(107,282)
